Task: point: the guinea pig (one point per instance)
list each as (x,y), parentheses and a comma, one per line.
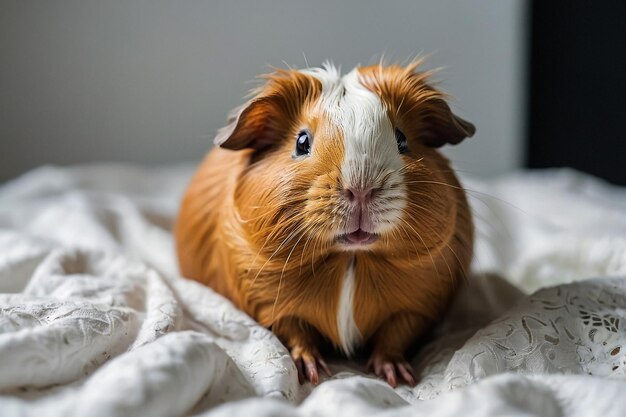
(327,213)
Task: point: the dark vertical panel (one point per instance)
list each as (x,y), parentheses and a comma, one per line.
(577,113)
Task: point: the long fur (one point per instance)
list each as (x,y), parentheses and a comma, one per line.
(259,226)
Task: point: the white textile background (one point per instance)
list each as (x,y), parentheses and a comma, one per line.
(95,321)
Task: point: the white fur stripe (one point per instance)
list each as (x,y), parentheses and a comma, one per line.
(349,334)
(371,158)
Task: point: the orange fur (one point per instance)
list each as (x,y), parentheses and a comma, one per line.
(256,225)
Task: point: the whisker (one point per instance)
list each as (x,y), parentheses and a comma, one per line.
(432,230)
(424,243)
(280,281)
(289,237)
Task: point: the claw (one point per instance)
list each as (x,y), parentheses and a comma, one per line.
(307,362)
(392,369)
(324,367)
(390,374)
(407,372)
(311,371)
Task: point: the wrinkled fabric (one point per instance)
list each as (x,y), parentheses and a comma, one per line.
(96,321)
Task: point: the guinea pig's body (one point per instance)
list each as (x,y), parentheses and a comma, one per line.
(331,217)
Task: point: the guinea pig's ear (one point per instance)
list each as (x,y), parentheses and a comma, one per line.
(439,126)
(408,96)
(250,126)
(268,117)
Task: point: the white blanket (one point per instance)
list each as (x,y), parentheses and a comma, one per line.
(95,320)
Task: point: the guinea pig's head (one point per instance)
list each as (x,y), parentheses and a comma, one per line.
(341,162)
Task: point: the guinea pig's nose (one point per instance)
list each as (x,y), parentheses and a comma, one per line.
(357,195)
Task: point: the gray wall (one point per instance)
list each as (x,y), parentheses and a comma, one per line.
(150,81)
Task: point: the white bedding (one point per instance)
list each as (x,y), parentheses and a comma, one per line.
(95,321)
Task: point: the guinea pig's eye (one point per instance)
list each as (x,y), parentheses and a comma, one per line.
(401,140)
(303,143)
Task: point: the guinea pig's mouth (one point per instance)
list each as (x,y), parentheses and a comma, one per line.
(357,238)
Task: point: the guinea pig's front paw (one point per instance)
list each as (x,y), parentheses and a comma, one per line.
(307,360)
(392,368)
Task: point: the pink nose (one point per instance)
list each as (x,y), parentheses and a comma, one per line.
(356,195)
